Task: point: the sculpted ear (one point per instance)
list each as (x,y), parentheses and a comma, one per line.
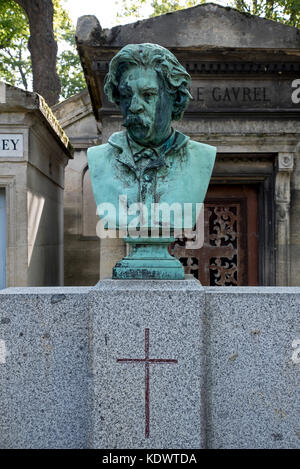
(180,104)
(116,95)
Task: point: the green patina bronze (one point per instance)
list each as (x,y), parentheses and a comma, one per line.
(149,163)
(149,259)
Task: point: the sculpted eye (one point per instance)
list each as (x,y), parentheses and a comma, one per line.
(125,95)
(148,94)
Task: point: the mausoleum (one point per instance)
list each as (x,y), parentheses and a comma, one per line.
(34,151)
(245,84)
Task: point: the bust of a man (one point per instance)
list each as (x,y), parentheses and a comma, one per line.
(149,162)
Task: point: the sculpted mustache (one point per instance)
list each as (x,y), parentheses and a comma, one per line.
(135,120)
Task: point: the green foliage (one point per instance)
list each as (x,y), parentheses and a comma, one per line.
(13,23)
(283,11)
(158,7)
(68,62)
(69,67)
(161,7)
(15,63)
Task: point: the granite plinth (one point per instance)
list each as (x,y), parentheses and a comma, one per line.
(44,368)
(235,383)
(252,343)
(147,351)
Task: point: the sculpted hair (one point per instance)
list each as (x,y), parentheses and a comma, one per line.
(160,59)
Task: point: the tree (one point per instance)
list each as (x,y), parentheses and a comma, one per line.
(15,63)
(283,11)
(68,61)
(158,7)
(43,48)
(69,67)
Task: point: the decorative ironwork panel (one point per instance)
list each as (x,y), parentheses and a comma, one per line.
(222,261)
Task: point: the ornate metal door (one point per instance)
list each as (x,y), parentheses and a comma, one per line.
(229,255)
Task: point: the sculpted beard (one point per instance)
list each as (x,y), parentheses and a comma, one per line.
(133,121)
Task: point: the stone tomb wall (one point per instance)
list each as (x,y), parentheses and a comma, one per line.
(34,151)
(230,377)
(81,245)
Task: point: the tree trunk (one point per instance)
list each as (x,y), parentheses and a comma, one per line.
(43,48)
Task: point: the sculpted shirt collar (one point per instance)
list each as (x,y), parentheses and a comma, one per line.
(127,147)
(160,150)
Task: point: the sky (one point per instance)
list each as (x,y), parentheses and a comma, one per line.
(105,10)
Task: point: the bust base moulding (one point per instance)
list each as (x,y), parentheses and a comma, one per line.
(149,259)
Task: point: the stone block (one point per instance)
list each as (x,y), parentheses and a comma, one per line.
(252,367)
(44,368)
(155,401)
(222,366)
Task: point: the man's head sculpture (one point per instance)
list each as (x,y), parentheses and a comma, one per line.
(151,88)
(150,177)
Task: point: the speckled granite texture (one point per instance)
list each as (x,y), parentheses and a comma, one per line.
(252,378)
(235,384)
(122,311)
(44,380)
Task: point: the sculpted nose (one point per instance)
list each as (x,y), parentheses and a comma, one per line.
(135,105)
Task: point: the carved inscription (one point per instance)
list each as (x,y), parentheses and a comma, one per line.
(11,145)
(245,94)
(147,362)
(235,94)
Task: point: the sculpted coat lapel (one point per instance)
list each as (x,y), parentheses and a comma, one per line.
(180,175)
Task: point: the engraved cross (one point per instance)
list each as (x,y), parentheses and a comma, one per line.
(147,361)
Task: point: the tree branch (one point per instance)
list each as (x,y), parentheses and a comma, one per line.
(43,48)
(19,67)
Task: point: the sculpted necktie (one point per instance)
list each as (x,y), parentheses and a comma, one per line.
(146,153)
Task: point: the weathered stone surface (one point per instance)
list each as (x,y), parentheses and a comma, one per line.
(18,100)
(88,29)
(207,25)
(236,383)
(81,246)
(33,179)
(121,312)
(44,368)
(235,43)
(111,250)
(252,367)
